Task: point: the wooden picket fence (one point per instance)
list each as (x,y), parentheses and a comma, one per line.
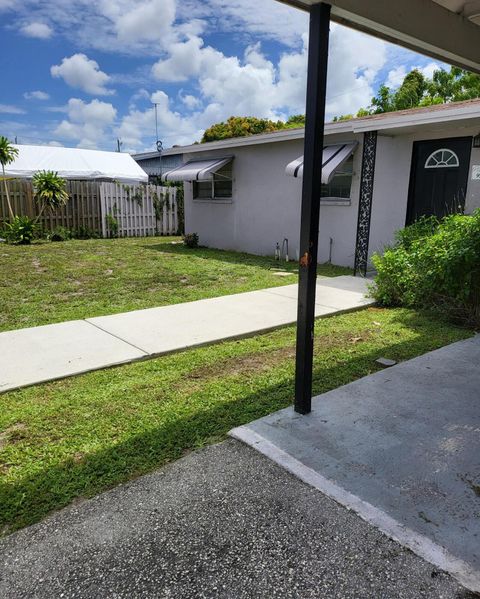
(138,210)
(108,209)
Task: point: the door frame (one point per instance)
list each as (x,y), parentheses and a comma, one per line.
(411,184)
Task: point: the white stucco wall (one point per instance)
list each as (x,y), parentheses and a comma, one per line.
(265,207)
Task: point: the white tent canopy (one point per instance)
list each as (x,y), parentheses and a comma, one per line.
(76,163)
(333,158)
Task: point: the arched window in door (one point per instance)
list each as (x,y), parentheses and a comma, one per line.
(443,158)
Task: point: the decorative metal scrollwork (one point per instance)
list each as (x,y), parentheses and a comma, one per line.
(365,201)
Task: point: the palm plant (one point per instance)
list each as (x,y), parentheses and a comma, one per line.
(49,190)
(7,155)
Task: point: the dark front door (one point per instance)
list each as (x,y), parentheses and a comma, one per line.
(438,180)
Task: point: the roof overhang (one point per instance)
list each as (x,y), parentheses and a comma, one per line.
(447,30)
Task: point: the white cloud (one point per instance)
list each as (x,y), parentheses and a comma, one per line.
(185,60)
(396,76)
(256,86)
(38,30)
(190,101)
(355,62)
(36,95)
(149,21)
(429,68)
(87,122)
(83,73)
(9,109)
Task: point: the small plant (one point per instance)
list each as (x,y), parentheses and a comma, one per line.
(83,232)
(138,197)
(50,191)
(191,240)
(20,230)
(60,234)
(112,224)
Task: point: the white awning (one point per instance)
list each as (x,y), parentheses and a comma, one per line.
(75,163)
(333,158)
(197,170)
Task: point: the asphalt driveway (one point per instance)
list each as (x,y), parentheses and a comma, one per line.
(221,522)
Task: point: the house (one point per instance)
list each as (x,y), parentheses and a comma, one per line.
(155,164)
(245,194)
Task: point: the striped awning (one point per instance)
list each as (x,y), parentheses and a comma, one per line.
(197,170)
(333,158)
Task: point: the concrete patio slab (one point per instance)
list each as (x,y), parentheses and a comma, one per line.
(50,352)
(56,351)
(401,448)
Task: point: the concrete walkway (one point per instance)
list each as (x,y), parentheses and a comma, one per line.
(50,352)
(221,523)
(401,448)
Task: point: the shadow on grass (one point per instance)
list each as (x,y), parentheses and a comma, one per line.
(242,258)
(33,497)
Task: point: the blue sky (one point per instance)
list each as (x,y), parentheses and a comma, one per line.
(83,73)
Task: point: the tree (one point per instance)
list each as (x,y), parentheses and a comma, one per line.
(411,92)
(240,126)
(296,120)
(453,86)
(444,86)
(50,191)
(7,155)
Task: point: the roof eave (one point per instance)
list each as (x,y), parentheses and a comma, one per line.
(423,26)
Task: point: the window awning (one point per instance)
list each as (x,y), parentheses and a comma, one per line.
(333,158)
(197,170)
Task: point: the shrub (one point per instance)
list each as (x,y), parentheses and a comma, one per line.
(50,191)
(20,230)
(191,240)
(60,234)
(112,224)
(84,232)
(434,264)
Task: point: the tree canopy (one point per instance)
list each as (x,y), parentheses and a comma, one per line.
(241,126)
(417,90)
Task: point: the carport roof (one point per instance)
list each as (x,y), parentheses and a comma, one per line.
(445,29)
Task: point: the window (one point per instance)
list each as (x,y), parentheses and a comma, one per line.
(443,158)
(341,183)
(219,188)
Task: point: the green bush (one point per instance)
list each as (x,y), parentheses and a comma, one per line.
(84,232)
(191,240)
(60,234)
(434,264)
(20,230)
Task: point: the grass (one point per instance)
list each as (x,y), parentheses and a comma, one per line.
(73,438)
(52,282)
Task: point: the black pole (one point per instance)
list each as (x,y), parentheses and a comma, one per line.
(312,182)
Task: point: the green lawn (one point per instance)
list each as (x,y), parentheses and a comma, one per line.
(52,282)
(74,438)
